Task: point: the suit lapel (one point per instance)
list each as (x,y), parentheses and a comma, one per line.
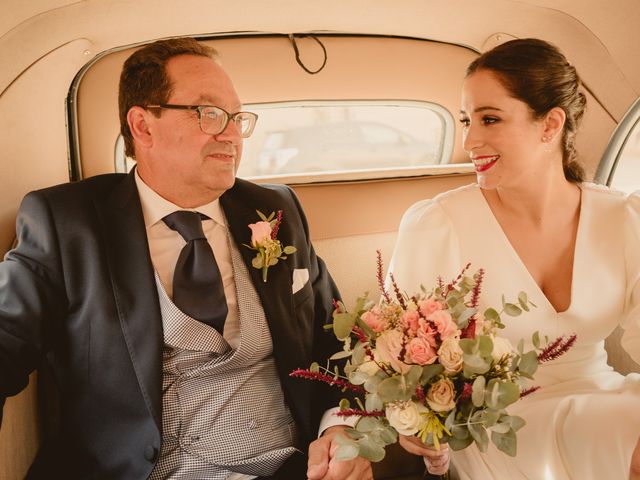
(275,294)
(134,289)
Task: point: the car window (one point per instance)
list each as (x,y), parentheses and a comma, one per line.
(624,154)
(328,136)
(315,137)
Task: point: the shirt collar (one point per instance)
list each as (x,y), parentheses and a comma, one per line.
(155,207)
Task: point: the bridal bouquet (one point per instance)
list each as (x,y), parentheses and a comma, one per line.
(430,364)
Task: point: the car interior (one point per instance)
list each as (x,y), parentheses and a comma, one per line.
(320,75)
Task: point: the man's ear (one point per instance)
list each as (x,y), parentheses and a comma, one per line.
(137,120)
(553,123)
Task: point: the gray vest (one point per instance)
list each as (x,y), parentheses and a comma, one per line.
(223,410)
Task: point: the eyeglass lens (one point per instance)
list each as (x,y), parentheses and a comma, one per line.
(213,120)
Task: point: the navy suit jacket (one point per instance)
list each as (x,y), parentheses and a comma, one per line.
(79,291)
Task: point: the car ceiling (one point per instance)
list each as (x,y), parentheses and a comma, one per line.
(599,36)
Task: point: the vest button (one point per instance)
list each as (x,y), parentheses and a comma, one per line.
(151,453)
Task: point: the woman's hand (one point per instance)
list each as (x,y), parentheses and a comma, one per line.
(437,461)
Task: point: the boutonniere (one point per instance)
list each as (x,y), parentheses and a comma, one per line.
(264,241)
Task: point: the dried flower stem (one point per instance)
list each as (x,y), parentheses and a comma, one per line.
(455,281)
(356,412)
(397,291)
(276,226)
(380,277)
(475,293)
(322,377)
(528,391)
(556,348)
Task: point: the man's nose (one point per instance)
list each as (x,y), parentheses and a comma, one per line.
(231,134)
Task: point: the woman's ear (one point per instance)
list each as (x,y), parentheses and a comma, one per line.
(137,120)
(553,124)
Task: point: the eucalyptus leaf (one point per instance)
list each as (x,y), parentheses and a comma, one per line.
(500,394)
(480,436)
(394,388)
(290,249)
(373,402)
(340,355)
(368,424)
(371,385)
(429,372)
(477,394)
(529,363)
(515,422)
(343,324)
(256,262)
(512,309)
(535,339)
(523,301)
(344,404)
(371,448)
(491,314)
(490,417)
(348,449)
(358,378)
(505,442)
(314,367)
(460,443)
(463,319)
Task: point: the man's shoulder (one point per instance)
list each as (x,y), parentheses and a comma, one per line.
(254,191)
(92,186)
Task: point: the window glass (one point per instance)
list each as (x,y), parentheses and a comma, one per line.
(315,137)
(626,176)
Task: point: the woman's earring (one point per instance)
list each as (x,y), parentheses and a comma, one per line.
(546,139)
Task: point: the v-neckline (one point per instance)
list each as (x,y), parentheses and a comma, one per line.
(514,253)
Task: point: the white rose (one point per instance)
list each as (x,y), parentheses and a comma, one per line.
(406,417)
(450,355)
(441,395)
(501,347)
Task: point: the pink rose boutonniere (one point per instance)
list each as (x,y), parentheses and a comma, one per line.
(264,241)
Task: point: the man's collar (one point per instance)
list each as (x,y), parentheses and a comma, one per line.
(155,207)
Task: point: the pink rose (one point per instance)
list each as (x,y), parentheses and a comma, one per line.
(373,320)
(420,352)
(444,323)
(427,307)
(260,231)
(388,347)
(410,320)
(427,332)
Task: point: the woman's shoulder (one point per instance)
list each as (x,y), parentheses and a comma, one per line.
(434,209)
(603,195)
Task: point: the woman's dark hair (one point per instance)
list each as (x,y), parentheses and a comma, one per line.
(538,74)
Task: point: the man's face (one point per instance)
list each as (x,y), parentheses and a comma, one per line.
(185,165)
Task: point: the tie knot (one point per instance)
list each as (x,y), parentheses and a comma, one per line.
(186,223)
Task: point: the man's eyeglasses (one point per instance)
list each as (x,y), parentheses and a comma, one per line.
(213,120)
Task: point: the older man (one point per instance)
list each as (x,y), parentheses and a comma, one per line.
(170,349)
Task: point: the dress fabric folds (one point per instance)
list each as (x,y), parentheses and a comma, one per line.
(584,421)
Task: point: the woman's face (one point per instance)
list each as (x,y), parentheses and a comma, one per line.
(500,135)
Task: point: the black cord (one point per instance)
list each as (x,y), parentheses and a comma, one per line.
(292,38)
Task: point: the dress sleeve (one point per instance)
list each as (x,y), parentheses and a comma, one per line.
(427,247)
(631,320)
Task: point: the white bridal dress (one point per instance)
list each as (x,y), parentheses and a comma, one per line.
(585,420)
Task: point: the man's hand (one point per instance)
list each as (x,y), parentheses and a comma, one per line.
(437,461)
(323,466)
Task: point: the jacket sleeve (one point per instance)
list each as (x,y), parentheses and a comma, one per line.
(32,295)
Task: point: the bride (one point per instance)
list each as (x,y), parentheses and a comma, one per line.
(532,224)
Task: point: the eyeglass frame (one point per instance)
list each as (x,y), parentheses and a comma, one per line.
(198,108)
